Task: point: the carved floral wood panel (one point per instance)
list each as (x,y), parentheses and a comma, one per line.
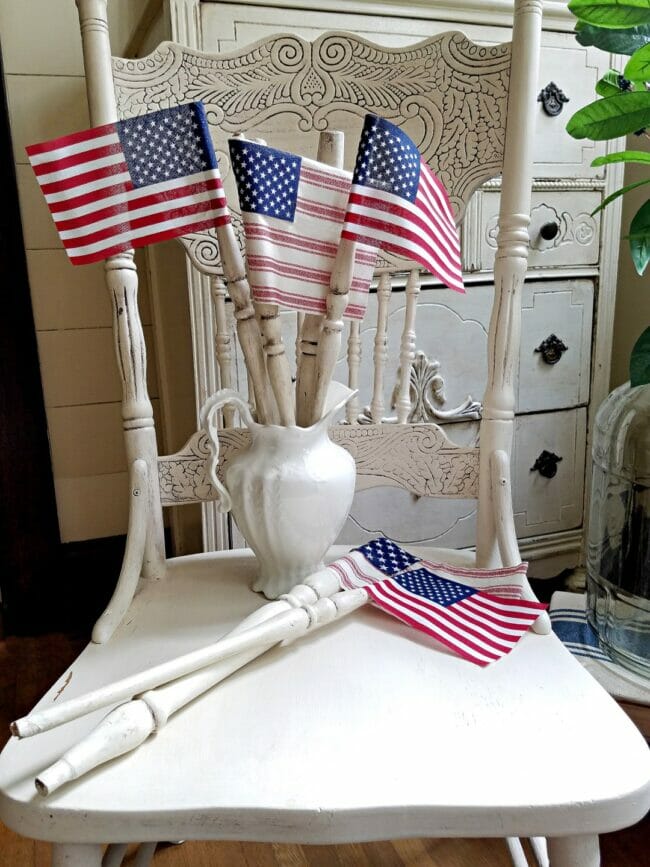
(437,89)
(421,460)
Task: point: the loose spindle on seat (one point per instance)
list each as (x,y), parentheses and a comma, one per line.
(380,355)
(407,347)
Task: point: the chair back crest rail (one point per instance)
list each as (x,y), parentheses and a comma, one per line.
(450,95)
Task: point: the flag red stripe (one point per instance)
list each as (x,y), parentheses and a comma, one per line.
(134,223)
(90,197)
(325,180)
(449,620)
(84,178)
(393,217)
(435,627)
(423,253)
(58,165)
(130,205)
(73,138)
(152,238)
(317,209)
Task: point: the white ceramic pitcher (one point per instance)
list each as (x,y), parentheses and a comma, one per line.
(290,491)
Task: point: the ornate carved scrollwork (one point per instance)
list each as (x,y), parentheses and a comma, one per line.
(436,90)
(427,393)
(550,228)
(426,463)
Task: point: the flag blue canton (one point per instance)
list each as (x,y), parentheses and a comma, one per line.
(387,159)
(167,144)
(429,585)
(267,179)
(387,556)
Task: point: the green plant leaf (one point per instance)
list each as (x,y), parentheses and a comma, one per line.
(618,193)
(622,157)
(611,117)
(616,41)
(640,360)
(640,238)
(638,66)
(611,13)
(609,83)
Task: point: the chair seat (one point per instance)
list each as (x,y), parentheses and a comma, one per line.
(363,730)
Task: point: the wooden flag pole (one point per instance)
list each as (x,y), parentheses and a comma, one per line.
(277,364)
(330,340)
(330,152)
(126,727)
(248,330)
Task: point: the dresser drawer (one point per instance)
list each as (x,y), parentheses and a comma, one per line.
(549,498)
(562,230)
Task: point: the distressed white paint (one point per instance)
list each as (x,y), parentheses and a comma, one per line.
(262,740)
(365,668)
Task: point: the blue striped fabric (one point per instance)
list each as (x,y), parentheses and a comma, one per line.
(571,627)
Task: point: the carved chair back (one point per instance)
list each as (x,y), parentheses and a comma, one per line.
(453,98)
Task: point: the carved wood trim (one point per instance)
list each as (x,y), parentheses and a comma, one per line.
(437,89)
(419,458)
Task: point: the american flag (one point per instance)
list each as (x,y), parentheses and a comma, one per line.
(397,203)
(293,210)
(466,616)
(131,183)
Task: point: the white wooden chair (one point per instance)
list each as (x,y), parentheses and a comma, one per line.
(362,731)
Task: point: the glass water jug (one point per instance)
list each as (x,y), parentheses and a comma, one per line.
(618,541)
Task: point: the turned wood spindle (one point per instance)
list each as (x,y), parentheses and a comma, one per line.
(380,355)
(222,342)
(407,347)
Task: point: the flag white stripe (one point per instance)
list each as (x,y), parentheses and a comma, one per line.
(431,192)
(90,187)
(76,148)
(134,194)
(291,269)
(514,611)
(430,624)
(131,214)
(453,617)
(437,228)
(80,168)
(132,235)
(445,267)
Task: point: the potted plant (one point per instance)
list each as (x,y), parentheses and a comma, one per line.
(618,545)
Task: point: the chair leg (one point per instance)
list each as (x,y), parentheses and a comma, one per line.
(77,855)
(582,850)
(136,539)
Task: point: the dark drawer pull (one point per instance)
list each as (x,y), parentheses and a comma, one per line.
(549,231)
(546,464)
(552,349)
(552,99)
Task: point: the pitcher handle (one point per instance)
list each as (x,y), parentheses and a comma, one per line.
(208,420)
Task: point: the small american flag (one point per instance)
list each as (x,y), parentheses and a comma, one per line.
(131,183)
(466,616)
(397,203)
(293,210)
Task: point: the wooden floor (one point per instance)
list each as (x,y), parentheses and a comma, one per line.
(28,665)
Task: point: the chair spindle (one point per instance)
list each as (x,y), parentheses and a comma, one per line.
(407,347)
(354,365)
(380,355)
(222,342)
